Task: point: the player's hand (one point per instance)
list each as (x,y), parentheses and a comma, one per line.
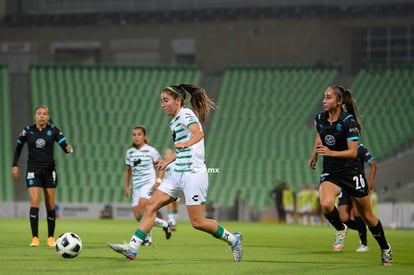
(161,164)
(127,192)
(322,150)
(15,172)
(312,163)
(180,145)
(69,149)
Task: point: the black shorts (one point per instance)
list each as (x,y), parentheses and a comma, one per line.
(344,199)
(353,182)
(45,178)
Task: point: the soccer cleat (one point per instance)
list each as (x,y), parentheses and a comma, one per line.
(35,242)
(146,243)
(362,248)
(236,248)
(167,231)
(338,244)
(124,250)
(386,256)
(51,241)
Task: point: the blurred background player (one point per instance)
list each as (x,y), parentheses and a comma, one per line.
(41,172)
(277,196)
(172,208)
(190,173)
(347,211)
(140,160)
(289,203)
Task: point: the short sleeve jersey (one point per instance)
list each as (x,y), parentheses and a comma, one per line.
(364,155)
(40,143)
(192,158)
(142,162)
(336,136)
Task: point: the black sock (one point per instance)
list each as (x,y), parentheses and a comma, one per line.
(362,230)
(334,219)
(51,216)
(34,221)
(358,224)
(378,233)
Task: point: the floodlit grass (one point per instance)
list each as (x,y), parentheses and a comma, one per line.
(268,249)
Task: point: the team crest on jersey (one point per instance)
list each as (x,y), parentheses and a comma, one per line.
(330,140)
(49,133)
(40,143)
(339,127)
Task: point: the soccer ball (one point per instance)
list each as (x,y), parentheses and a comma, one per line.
(68,245)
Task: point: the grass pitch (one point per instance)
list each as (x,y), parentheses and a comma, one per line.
(268,249)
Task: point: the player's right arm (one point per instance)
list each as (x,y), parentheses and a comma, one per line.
(128,172)
(20,142)
(314,157)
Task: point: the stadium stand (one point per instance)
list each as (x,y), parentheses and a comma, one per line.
(96,108)
(5,176)
(384,93)
(261,131)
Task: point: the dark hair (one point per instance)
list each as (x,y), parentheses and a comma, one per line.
(200,102)
(348,102)
(144,130)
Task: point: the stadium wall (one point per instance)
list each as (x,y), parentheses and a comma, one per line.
(302,41)
(392,215)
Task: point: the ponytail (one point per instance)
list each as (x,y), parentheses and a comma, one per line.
(200,102)
(348,102)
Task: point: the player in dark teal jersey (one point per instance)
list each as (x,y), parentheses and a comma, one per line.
(41,174)
(337,141)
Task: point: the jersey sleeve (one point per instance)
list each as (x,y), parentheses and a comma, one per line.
(20,142)
(364,154)
(155,155)
(60,138)
(351,127)
(127,158)
(189,118)
(317,122)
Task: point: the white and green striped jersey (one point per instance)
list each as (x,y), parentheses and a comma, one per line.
(142,164)
(190,159)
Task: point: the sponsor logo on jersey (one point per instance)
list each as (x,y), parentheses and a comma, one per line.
(330,140)
(40,143)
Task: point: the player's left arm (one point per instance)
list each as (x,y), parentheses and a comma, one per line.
(372,172)
(61,140)
(196,136)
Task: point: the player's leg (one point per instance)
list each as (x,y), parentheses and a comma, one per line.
(158,200)
(199,222)
(195,192)
(356,222)
(50,181)
(363,205)
(34,197)
(49,194)
(328,192)
(172,211)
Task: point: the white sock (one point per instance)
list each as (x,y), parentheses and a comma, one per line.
(135,242)
(160,223)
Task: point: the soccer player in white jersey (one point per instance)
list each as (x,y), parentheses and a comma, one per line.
(190,172)
(140,160)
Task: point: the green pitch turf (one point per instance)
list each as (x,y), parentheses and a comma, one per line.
(268,249)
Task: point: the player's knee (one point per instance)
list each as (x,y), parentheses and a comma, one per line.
(197,224)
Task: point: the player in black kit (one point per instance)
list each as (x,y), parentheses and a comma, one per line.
(337,141)
(40,138)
